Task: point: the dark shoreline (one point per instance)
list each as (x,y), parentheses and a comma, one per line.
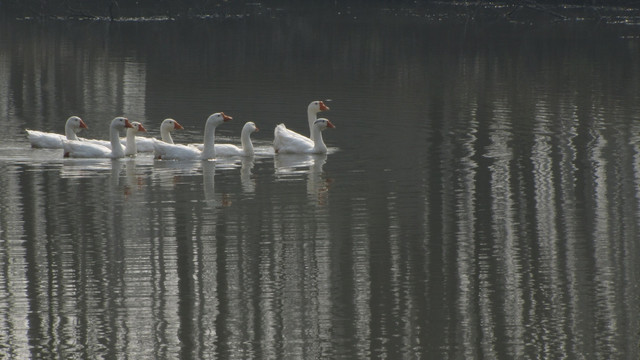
(627,12)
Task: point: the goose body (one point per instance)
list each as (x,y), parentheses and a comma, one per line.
(50,140)
(297,145)
(166,151)
(245,148)
(283,136)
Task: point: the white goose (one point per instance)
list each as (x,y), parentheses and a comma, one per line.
(145,144)
(167,151)
(49,140)
(84,149)
(167,126)
(131,146)
(245,148)
(282,135)
(293,145)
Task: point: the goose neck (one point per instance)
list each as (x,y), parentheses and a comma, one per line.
(312,117)
(245,141)
(318,143)
(70,133)
(209,150)
(116,147)
(131,148)
(166,135)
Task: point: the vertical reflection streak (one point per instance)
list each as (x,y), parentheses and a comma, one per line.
(506,245)
(134,95)
(625,229)
(393,348)
(163,250)
(316,290)
(605,315)
(15,280)
(465,214)
(633,307)
(495,239)
(362,280)
(566,185)
(269,322)
(546,216)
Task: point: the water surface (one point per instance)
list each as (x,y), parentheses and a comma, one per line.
(480,199)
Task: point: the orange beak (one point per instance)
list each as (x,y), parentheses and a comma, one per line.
(177,126)
(330,124)
(127,124)
(141,128)
(226,117)
(83,125)
(323,107)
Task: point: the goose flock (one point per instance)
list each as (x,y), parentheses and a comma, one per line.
(284,140)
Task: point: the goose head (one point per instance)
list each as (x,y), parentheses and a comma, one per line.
(120,123)
(170,125)
(323,123)
(218,118)
(136,127)
(317,106)
(250,127)
(76,123)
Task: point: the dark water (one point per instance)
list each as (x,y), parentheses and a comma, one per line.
(481,198)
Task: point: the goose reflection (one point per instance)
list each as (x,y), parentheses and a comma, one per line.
(248,184)
(84,168)
(134,180)
(317,183)
(169,173)
(208,183)
(131,181)
(130,170)
(116,169)
(291,165)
